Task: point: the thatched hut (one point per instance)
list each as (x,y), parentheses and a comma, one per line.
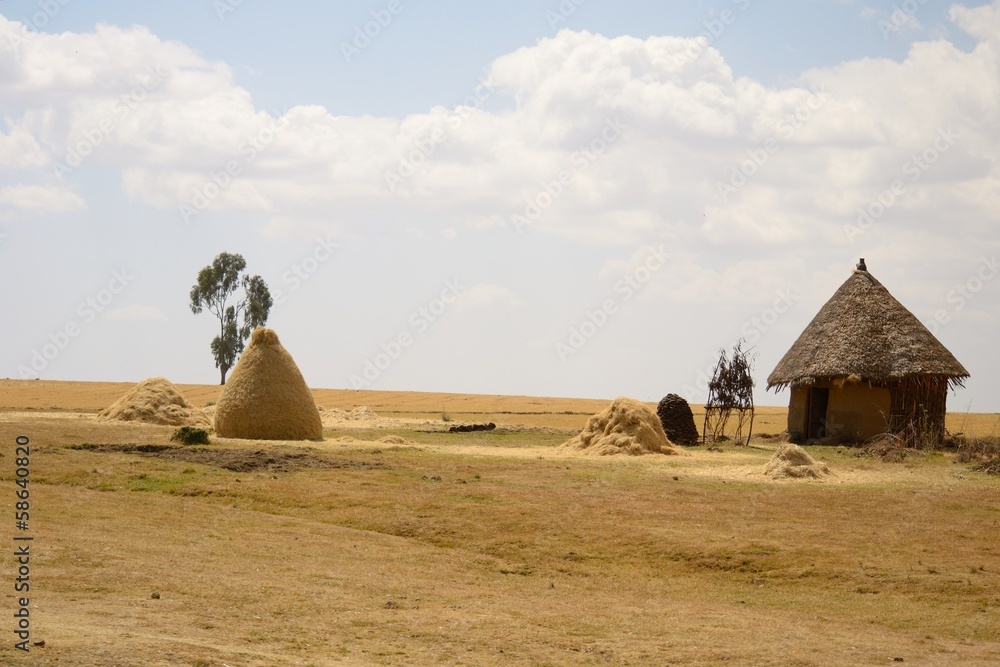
(866,365)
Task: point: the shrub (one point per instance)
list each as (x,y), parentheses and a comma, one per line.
(969,449)
(189,435)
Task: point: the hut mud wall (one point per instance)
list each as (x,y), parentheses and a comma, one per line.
(858,411)
(855,411)
(798,406)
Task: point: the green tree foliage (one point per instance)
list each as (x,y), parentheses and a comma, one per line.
(217,285)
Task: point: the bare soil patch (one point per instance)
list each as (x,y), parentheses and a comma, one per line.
(238,460)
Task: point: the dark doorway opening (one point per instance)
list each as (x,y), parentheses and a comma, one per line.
(819,398)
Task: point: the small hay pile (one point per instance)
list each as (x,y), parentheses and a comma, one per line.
(625,427)
(266,397)
(361,414)
(155,401)
(792,461)
(677,420)
(396,440)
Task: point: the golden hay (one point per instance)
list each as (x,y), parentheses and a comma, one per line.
(155,401)
(396,440)
(266,397)
(625,427)
(792,461)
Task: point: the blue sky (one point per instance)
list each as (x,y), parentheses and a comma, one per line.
(432,52)
(739,141)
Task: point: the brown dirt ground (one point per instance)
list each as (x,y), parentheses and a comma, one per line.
(274,459)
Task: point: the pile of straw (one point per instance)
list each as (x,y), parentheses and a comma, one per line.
(625,427)
(155,401)
(792,461)
(266,397)
(396,440)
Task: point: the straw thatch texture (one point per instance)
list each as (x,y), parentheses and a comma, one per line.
(793,461)
(266,397)
(625,427)
(863,331)
(155,401)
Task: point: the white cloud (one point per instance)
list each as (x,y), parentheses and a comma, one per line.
(19,149)
(486,295)
(41,199)
(685,125)
(982,22)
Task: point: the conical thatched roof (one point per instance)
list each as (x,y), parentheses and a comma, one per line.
(266,397)
(864,333)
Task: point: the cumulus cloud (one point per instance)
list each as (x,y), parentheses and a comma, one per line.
(608,140)
(982,22)
(41,199)
(19,149)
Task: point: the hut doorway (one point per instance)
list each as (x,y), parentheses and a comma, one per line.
(819,398)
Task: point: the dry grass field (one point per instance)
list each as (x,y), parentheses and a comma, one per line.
(492,548)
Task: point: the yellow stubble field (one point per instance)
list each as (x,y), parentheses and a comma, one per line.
(494,548)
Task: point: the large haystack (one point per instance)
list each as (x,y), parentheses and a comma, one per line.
(155,401)
(792,461)
(625,427)
(266,397)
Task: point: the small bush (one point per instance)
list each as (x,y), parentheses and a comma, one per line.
(968,449)
(189,435)
(445,417)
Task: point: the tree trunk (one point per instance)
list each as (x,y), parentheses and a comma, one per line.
(224,369)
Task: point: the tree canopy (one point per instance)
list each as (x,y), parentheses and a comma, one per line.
(239,314)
